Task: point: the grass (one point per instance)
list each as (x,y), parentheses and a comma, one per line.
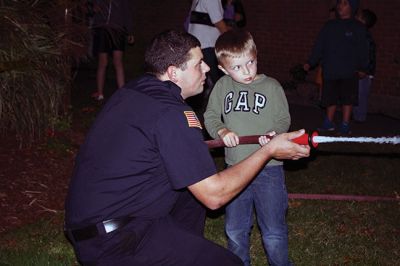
(41,243)
(320,232)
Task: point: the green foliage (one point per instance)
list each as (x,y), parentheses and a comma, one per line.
(42,243)
(36,54)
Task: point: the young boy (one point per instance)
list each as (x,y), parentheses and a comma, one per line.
(341,48)
(368,18)
(246,103)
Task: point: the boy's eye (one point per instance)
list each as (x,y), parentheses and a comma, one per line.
(251,62)
(236,68)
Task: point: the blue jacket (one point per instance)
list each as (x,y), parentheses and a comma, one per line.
(341,48)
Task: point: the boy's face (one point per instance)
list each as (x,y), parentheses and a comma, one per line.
(242,69)
(343,9)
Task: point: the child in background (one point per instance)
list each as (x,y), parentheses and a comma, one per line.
(113,28)
(368,18)
(246,103)
(341,48)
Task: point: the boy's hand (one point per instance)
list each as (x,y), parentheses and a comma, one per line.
(263,140)
(229,138)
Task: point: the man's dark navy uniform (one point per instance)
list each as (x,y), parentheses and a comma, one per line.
(145,147)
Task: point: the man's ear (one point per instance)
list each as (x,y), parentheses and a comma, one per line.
(223,69)
(171,73)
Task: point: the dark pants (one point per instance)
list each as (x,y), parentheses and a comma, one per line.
(175,239)
(340,92)
(107,40)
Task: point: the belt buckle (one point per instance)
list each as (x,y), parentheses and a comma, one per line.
(110,225)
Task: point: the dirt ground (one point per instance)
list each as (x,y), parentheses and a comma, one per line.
(33,180)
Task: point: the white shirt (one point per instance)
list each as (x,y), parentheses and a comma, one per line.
(207,35)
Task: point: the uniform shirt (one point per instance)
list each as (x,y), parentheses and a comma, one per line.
(252,109)
(207,35)
(145,145)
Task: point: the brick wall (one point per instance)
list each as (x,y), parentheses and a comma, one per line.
(285,30)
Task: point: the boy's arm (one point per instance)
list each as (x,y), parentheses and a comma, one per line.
(213,118)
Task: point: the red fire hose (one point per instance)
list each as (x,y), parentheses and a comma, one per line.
(253,139)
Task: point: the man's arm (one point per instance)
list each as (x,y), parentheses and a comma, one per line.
(216,190)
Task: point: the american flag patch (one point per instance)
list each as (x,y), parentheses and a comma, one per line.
(192,119)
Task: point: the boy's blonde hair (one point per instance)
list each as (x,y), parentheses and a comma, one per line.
(233,44)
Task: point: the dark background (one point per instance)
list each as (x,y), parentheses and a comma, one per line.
(285,30)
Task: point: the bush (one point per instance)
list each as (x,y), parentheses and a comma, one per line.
(41,39)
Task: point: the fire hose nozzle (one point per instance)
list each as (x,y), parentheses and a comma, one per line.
(307,138)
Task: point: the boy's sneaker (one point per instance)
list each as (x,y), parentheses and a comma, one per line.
(97,96)
(327,125)
(344,129)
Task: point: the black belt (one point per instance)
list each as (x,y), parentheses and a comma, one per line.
(94,230)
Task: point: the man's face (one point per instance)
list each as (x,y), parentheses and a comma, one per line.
(192,79)
(344,9)
(242,69)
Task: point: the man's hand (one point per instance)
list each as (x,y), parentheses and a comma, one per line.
(281,146)
(230,138)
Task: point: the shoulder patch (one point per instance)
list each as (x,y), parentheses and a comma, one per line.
(192,119)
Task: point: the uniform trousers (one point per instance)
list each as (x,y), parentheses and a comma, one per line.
(176,239)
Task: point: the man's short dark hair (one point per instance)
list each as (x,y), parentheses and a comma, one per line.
(169,48)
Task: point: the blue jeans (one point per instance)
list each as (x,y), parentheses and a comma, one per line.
(360,111)
(267,194)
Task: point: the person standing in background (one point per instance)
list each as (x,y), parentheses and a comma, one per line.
(368,18)
(112,28)
(207,34)
(341,48)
